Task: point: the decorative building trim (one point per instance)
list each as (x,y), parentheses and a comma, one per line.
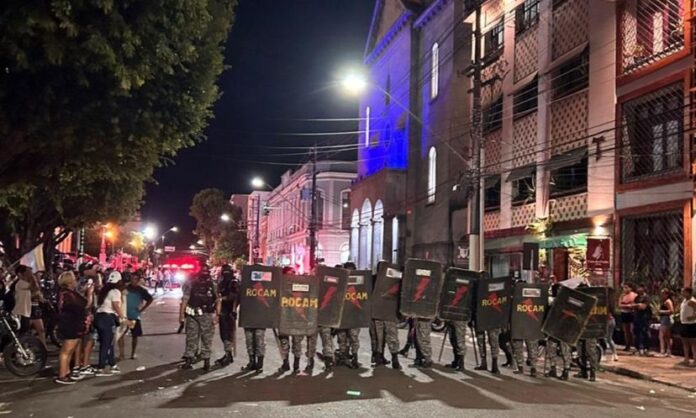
(387,39)
(430,13)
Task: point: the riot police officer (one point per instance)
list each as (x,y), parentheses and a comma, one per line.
(200,310)
(348,339)
(553,346)
(423,327)
(229,296)
(457,334)
(386,333)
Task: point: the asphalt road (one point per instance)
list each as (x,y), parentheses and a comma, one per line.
(163,390)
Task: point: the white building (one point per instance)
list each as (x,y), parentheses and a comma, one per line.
(288,213)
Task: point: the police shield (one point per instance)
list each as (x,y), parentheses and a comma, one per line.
(420,288)
(529,306)
(332,290)
(568,315)
(299,305)
(599,316)
(357,306)
(259,304)
(492,303)
(385,298)
(456,296)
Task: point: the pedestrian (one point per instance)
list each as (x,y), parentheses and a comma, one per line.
(229,299)
(666,312)
(626,301)
(109,315)
(200,311)
(23,288)
(73,322)
(138,299)
(88,281)
(687,316)
(641,321)
(611,326)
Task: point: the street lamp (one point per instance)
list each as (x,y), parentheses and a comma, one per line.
(225,217)
(354,83)
(172,229)
(200,242)
(150,232)
(258,183)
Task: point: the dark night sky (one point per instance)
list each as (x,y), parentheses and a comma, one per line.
(282,57)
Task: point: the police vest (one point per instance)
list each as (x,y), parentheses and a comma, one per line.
(202,299)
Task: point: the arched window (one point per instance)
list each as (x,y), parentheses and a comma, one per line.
(355,236)
(377,233)
(432,174)
(365,250)
(367,126)
(395,240)
(435,71)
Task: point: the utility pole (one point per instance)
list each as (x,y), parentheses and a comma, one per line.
(475,232)
(313,216)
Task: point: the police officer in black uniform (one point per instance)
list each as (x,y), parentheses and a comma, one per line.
(200,311)
(229,297)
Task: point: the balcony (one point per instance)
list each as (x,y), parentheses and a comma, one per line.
(568,208)
(491,221)
(569,122)
(523,215)
(650,30)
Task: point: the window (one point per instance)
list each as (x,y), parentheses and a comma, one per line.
(320,210)
(659,26)
(387,91)
(493,116)
(395,240)
(569,179)
(432,174)
(435,71)
(367,126)
(558,3)
(526,16)
(345,210)
(493,39)
(571,76)
(652,138)
(492,193)
(525,99)
(523,184)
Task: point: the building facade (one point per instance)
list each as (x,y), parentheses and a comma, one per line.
(287,213)
(586,147)
(255,204)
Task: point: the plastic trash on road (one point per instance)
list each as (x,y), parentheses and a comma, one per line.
(353,393)
(140,368)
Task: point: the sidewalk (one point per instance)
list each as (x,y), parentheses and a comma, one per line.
(655,369)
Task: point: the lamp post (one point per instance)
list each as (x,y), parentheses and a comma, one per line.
(172,229)
(257,183)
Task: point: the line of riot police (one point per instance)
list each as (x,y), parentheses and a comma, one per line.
(341,301)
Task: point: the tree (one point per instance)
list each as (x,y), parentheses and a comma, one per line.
(223,239)
(98,93)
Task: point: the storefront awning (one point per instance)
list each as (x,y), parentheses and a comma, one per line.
(564,241)
(521,172)
(566,160)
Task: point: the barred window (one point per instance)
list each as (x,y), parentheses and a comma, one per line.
(526,16)
(525,100)
(571,76)
(492,186)
(652,134)
(493,39)
(493,116)
(652,250)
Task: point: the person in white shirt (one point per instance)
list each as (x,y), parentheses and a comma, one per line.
(687,316)
(109,314)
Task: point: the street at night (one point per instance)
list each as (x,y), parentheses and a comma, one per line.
(163,390)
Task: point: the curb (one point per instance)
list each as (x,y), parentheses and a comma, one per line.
(642,376)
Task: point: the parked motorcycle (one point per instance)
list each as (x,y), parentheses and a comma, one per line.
(22,355)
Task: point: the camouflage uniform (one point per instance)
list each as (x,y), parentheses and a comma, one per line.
(199,329)
(552,353)
(284,342)
(493,341)
(386,331)
(348,341)
(311,345)
(255,341)
(373,336)
(423,327)
(588,353)
(532,352)
(458,333)
(327,345)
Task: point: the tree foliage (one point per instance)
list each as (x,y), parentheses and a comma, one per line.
(224,240)
(94,95)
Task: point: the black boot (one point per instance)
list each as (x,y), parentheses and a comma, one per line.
(284,367)
(395,361)
(564,375)
(251,366)
(310,365)
(494,366)
(206,364)
(483,365)
(340,359)
(426,363)
(328,364)
(404,351)
(188,363)
(520,370)
(383,359)
(225,360)
(582,374)
(552,372)
(296,365)
(379,359)
(259,364)
(454,364)
(533,372)
(354,361)
(460,363)
(593,377)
